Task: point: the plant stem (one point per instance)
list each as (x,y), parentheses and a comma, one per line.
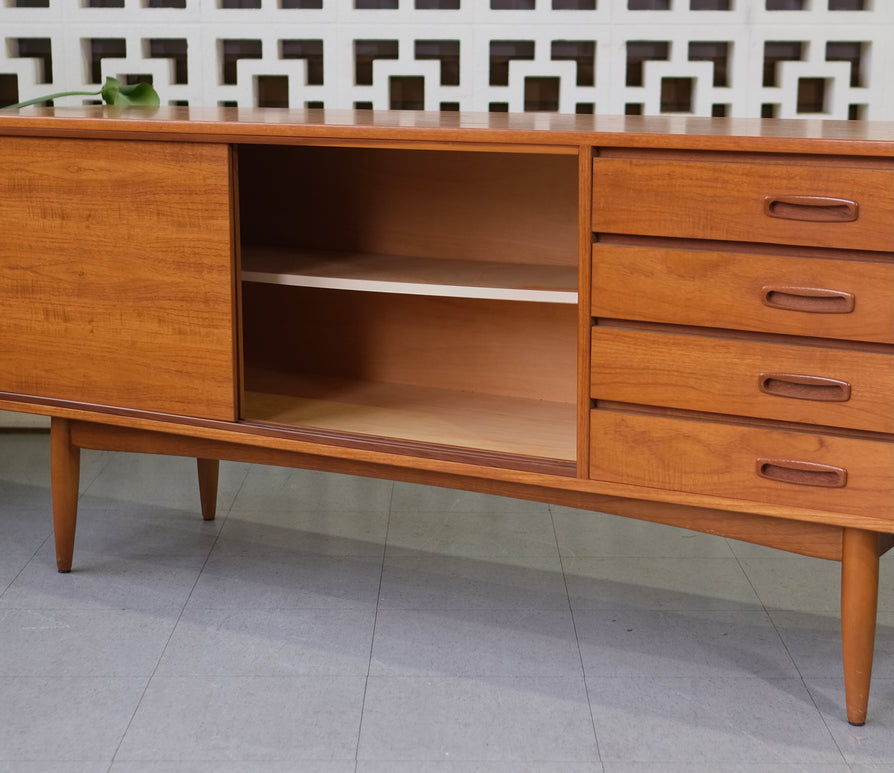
(54,96)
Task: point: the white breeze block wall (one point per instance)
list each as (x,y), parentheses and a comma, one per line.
(774,58)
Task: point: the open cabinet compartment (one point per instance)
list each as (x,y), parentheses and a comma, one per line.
(423,300)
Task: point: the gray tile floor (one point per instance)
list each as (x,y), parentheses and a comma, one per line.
(341,625)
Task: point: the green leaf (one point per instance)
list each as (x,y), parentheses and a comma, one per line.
(139,94)
(113,93)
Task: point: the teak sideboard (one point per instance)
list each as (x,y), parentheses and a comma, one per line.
(683,320)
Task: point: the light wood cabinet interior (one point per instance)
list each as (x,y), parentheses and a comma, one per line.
(411,295)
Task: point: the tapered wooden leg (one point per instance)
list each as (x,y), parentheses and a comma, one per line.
(65,473)
(859,603)
(209,470)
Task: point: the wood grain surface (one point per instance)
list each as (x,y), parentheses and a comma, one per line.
(704,199)
(116,274)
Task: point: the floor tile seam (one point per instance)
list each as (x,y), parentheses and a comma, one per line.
(614,555)
(57,676)
(84,678)
(270,677)
(532,510)
(445,552)
(800,678)
(237,547)
(135,507)
(728,541)
(73,677)
(372,639)
(402,551)
(721,765)
(491,761)
(757,603)
(652,678)
(251,761)
(824,719)
(358,607)
(236,494)
(244,511)
(482,609)
(827,613)
(164,649)
(344,607)
(480,677)
(402,510)
(577,641)
(69,764)
(576,677)
(288,555)
(627,677)
(573,555)
(475,608)
(107,459)
(25,566)
(155,611)
(769,617)
(146,558)
(744,608)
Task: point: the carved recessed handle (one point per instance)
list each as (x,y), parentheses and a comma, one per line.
(800,387)
(815,209)
(813,300)
(802,473)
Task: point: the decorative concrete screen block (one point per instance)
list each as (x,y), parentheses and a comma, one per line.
(781,58)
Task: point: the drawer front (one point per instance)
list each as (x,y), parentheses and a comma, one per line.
(845,299)
(820,206)
(832,387)
(777,467)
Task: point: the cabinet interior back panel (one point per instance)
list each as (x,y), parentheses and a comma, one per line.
(524,350)
(502,207)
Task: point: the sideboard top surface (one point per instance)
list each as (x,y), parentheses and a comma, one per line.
(275,125)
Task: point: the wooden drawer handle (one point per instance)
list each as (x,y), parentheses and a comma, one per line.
(810,299)
(798,387)
(802,473)
(816,209)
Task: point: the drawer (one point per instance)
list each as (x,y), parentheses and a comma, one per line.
(778,467)
(820,206)
(785,382)
(846,299)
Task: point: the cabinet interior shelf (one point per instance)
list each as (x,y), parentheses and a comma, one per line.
(410,275)
(510,425)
